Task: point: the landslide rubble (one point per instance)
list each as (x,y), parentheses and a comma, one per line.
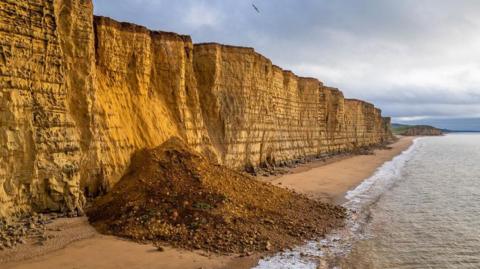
(172,195)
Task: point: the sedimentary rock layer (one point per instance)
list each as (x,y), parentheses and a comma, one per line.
(80,94)
(257,113)
(145,92)
(40,143)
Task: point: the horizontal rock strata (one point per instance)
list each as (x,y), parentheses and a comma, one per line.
(80,94)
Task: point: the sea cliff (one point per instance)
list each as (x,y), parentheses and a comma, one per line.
(80,94)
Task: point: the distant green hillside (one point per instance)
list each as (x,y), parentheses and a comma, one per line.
(412,130)
(398,128)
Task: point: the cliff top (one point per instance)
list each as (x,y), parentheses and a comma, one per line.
(131,27)
(358,101)
(127,26)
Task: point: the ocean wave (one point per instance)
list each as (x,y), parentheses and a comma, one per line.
(384,177)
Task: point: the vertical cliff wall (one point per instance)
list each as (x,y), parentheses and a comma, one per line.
(258,114)
(40,144)
(80,94)
(145,92)
(364,124)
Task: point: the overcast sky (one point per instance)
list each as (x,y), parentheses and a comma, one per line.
(415,59)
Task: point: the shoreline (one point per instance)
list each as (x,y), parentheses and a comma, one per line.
(330,180)
(325,180)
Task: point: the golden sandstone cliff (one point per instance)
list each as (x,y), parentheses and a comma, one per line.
(80,94)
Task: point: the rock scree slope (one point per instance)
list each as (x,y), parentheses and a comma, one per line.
(80,94)
(171,194)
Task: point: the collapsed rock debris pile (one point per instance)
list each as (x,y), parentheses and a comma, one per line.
(172,195)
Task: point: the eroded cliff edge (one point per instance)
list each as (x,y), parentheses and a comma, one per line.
(80,94)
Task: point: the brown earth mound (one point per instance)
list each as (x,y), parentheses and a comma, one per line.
(172,195)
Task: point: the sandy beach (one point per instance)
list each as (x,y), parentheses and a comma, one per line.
(85,248)
(329,181)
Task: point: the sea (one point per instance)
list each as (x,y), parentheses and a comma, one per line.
(419,210)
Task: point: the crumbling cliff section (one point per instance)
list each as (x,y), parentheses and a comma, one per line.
(80,94)
(145,92)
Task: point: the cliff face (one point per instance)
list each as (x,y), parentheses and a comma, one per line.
(79,95)
(40,143)
(257,113)
(145,92)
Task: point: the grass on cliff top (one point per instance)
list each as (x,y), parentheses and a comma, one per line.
(399,129)
(173,196)
(402,129)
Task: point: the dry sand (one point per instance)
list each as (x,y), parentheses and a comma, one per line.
(321,180)
(76,245)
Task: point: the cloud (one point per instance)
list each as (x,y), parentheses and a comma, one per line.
(413,59)
(200,15)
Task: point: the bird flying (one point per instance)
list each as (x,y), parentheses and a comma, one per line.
(256,8)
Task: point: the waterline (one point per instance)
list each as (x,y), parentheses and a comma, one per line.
(325,253)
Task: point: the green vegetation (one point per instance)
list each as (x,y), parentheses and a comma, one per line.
(413,130)
(399,129)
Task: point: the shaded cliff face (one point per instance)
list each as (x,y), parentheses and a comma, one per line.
(81,94)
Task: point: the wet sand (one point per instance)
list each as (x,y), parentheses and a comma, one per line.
(75,244)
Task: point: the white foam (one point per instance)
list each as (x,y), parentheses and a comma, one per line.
(383,178)
(337,243)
